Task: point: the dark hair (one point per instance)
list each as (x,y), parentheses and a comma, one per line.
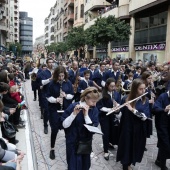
(11,76)
(115,61)
(43,65)
(86,72)
(3,77)
(57,71)
(105,89)
(144,76)
(134,91)
(102,63)
(138,67)
(48,60)
(4,87)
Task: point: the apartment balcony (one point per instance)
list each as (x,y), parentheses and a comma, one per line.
(69,3)
(65,30)
(95,5)
(3,26)
(90,21)
(16,5)
(70,17)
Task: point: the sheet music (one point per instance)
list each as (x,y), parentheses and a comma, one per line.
(93,129)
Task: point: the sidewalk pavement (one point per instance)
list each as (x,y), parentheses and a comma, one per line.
(41,143)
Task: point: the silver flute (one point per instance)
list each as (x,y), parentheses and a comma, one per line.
(61,104)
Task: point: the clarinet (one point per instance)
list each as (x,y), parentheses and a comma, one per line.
(61,104)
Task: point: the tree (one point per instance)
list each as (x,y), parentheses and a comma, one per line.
(106,30)
(51,48)
(62,47)
(16,48)
(76,38)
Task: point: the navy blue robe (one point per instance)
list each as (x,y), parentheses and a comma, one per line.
(125,86)
(34,84)
(97,77)
(110,74)
(75,133)
(54,91)
(133,134)
(110,131)
(72,76)
(83,85)
(162,122)
(135,76)
(44,75)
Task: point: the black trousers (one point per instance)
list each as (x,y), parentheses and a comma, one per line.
(35,94)
(54,133)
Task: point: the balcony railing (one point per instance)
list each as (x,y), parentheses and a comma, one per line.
(70,17)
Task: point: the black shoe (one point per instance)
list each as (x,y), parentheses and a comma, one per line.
(52,154)
(19,126)
(46,130)
(106,156)
(158,163)
(34,99)
(16,141)
(42,116)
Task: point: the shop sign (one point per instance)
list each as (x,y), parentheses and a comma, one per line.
(101,51)
(150,47)
(120,49)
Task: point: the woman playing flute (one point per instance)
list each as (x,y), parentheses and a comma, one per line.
(109,124)
(59,96)
(74,118)
(133,128)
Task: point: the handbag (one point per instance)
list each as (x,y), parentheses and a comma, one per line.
(8,129)
(84,147)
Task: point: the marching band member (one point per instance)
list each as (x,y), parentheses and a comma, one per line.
(33,73)
(132,139)
(74,118)
(60,94)
(162,123)
(92,70)
(114,73)
(99,74)
(147,79)
(74,77)
(128,82)
(86,82)
(45,78)
(137,73)
(110,99)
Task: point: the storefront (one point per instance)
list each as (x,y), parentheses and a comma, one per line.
(120,52)
(101,53)
(151,52)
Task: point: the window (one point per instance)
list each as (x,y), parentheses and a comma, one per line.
(76,13)
(82,11)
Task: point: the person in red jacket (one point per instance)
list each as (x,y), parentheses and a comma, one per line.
(15,94)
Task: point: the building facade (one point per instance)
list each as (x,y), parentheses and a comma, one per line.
(49,27)
(58,21)
(4,25)
(26,33)
(149,21)
(14,20)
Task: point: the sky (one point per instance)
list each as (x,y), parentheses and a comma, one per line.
(38,10)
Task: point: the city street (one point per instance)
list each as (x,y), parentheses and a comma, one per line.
(41,144)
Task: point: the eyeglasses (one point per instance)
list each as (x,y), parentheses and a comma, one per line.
(92,91)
